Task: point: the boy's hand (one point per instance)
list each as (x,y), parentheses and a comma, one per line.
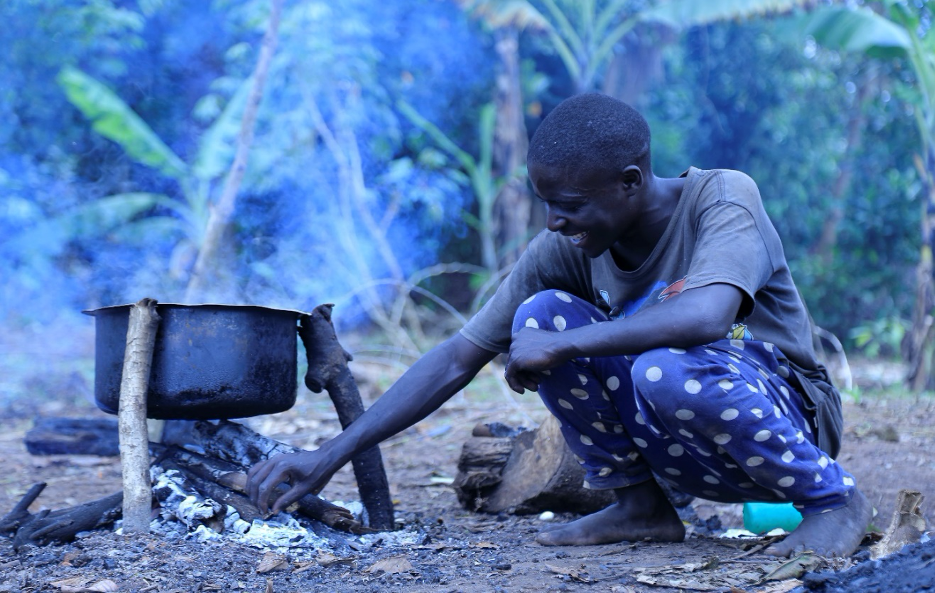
(305,472)
(531,352)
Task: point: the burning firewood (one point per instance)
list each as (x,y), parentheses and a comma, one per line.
(228,480)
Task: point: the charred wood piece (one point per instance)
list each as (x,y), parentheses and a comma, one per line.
(73,436)
(193,484)
(62,525)
(223,440)
(20,513)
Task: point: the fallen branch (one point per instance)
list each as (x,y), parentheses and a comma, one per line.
(20,513)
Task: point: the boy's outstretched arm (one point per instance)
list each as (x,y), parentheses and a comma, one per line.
(430,382)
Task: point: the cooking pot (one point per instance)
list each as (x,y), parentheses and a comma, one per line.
(209,362)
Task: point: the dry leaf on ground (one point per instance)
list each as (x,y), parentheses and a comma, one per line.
(573,573)
(327,559)
(392,565)
(270,562)
(78,585)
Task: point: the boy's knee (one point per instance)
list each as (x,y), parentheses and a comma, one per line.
(663,378)
(555,310)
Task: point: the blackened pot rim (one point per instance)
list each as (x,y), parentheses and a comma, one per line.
(93,312)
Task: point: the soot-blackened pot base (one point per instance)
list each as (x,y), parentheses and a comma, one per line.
(209,362)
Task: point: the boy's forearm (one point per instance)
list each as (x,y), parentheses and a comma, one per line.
(421,390)
(689,319)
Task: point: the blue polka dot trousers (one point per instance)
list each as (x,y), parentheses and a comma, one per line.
(718,421)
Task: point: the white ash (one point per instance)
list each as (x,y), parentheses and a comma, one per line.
(356,508)
(183,514)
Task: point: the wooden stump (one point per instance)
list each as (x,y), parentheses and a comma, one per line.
(532,472)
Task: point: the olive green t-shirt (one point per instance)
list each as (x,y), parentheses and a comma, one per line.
(719,233)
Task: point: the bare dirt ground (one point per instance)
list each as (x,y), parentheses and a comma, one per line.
(440,546)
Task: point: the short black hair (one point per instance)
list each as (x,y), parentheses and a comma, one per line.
(591,133)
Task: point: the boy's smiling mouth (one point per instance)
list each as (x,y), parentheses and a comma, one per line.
(578,238)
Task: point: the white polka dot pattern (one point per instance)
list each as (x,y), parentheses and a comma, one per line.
(729,414)
(654,374)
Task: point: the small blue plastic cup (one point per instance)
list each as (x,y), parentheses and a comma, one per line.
(762,517)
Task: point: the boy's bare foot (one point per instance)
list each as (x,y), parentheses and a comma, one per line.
(837,533)
(642,513)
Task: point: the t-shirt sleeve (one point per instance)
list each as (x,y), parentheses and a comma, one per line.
(544,265)
(731,246)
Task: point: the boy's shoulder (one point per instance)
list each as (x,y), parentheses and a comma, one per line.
(727,185)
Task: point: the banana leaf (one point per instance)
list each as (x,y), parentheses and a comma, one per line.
(113,119)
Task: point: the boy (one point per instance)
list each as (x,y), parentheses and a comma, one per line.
(658,321)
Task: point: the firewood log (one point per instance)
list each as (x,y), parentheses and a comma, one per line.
(73,436)
(532,472)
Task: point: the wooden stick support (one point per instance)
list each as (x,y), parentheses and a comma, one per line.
(327,369)
(131,417)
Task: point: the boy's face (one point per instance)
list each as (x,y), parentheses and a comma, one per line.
(592,210)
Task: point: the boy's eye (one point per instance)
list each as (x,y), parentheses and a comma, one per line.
(566,206)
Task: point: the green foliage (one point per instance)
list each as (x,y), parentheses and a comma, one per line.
(753,97)
(376,135)
(479,171)
(856,29)
(880,336)
(113,119)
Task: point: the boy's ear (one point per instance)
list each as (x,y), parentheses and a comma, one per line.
(632,178)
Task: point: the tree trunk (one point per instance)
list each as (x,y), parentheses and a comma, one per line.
(632,72)
(854,132)
(920,336)
(513,205)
